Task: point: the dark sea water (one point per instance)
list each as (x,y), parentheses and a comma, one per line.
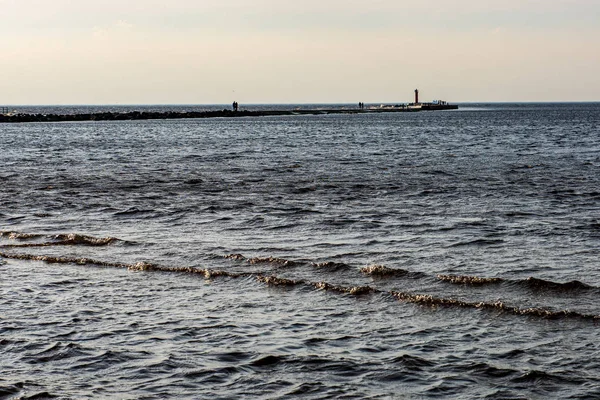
(387,256)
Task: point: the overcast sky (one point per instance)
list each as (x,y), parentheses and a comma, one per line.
(300,51)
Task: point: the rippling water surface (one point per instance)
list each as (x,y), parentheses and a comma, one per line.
(403,255)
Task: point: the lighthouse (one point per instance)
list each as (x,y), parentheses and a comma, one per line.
(416,96)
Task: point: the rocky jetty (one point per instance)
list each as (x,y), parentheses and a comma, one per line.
(141,115)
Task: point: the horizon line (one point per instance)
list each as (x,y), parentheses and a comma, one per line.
(302,103)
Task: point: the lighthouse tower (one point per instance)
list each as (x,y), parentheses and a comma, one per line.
(416,96)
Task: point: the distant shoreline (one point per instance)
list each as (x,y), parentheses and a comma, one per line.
(147,115)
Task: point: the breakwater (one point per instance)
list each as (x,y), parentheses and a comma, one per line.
(141,115)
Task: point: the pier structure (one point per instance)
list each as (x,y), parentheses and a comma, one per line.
(13,117)
(435,105)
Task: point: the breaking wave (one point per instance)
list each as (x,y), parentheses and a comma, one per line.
(383,271)
(428,300)
(19,235)
(469,280)
(270,280)
(531,283)
(261,260)
(61,239)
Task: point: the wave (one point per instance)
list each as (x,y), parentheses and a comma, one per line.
(353,290)
(331,266)
(58,351)
(412,362)
(63,260)
(478,242)
(487,371)
(469,280)
(521,214)
(373,270)
(531,283)
(420,299)
(275,281)
(61,239)
(19,235)
(541,284)
(207,273)
(261,260)
(428,300)
(383,271)
(516,376)
(37,396)
(267,360)
(535,376)
(73,238)
(139,266)
(271,260)
(134,211)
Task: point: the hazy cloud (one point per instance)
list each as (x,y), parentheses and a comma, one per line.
(148,51)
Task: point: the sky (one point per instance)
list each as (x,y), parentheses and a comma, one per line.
(301,51)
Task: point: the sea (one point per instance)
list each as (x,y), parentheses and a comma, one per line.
(418,255)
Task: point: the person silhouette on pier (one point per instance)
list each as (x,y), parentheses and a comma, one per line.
(235,106)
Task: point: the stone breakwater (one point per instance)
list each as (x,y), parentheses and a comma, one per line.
(141,115)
